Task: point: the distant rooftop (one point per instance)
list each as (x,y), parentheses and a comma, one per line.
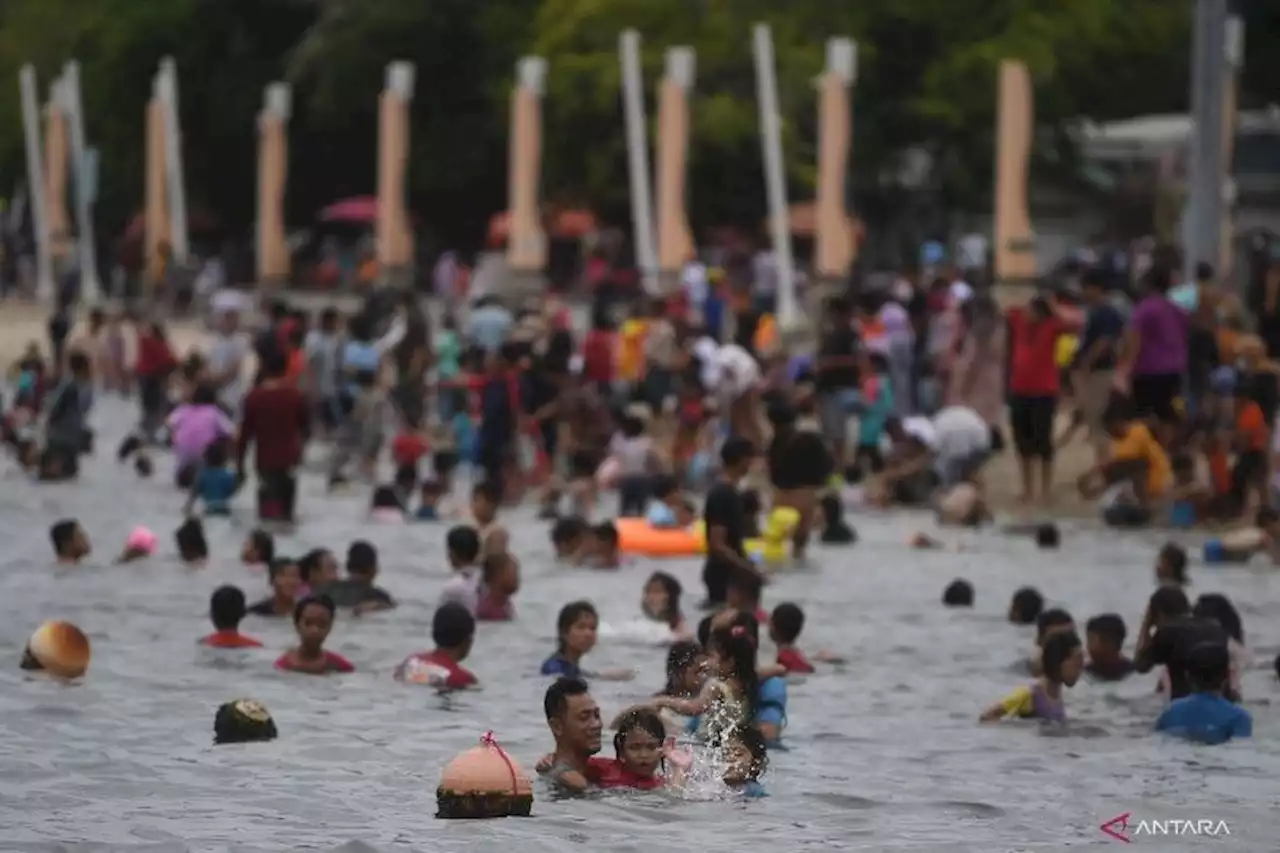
(1155,135)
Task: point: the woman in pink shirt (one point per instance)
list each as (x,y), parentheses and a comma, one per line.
(196,425)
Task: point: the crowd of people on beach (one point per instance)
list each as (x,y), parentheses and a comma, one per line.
(718,443)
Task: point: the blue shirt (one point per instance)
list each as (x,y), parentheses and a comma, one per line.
(874,415)
(426,513)
(360,357)
(214,487)
(561,666)
(488,327)
(1103,322)
(661,515)
(752,789)
(1206,718)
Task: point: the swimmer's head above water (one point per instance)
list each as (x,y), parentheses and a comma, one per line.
(259,548)
(661,599)
(140,545)
(1062,658)
(959,593)
(1026,606)
(70,542)
(1171,565)
(191,542)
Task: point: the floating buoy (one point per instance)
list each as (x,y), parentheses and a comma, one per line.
(243,721)
(483,782)
(58,648)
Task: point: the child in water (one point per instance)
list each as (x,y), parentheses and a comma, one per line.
(576,628)
(1055,620)
(286,579)
(1062,661)
(259,550)
(313,619)
(226,611)
(661,602)
(747,757)
(569,538)
(641,750)
(215,484)
(601,547)
(1104,637)
(1206,715)
(453,629)
(668,510)
(1171,566)
(140,545)
(385,505)
(1025,606)
(785,624)
(499,582)
(193,548)
(728,700)
(428,502)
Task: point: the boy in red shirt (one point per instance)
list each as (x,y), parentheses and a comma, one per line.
(452,629)
(226,610)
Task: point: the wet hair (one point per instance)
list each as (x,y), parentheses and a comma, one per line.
(736,643)
(462,543)
(751,503)
(279,564)
(1047,535)
(1175,557)
(737,450)
(787,620)
(487,491)
(1168,601)
(556,700)
(385,497)
(672,588)
(1049,619)
(1026,606)
(959,593)
(642,719)
(704,630)
(569,615)
(567,529)
(313,601)
(362,558)
(753,740)
(1058,648)
(264,544)
(226,608)
(1216,606)
(606,532)
(310,562)
(243,721)
(191,541)
(631,426)
(1208,666)
(1108,626)
(61,533)
(143,467)
(452,626)
(680,657)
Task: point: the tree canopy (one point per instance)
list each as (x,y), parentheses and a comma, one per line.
(926,80)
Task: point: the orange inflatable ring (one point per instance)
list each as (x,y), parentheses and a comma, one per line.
(637,536)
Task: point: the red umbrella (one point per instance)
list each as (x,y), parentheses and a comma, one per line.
(359,210)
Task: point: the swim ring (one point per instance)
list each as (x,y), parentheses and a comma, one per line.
(637,536)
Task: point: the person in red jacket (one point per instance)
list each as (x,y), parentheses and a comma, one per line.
(156,363)
(275,422)
(1034,389)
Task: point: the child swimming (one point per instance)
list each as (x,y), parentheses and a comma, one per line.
(259,549)
(1206,715)
(959,593)
(1025,606)
(226,611)
(453,629)
(214,484)
(728,699)
(286,580)
(140,545)
(641,750)
(569,538)
(661,602)
(747,756)
(1062,660)
(462,544)
(70,542)
(1104,641)
(1171,565)
(193,548)
(576,628)
(313,619)
(785,624)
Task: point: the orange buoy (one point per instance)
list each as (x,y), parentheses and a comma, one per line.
(483,782)
(58,648)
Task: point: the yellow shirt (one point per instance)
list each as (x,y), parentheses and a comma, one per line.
(631,350)
(1019,703)
(1139,443)
(766,337)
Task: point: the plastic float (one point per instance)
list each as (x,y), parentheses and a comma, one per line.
(58,648)
(483,782)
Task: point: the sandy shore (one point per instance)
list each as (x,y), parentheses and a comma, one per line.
(22,323)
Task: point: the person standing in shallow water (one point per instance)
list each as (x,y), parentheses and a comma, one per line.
(275,421)
(726,521)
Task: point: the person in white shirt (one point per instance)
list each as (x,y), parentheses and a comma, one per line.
(929,453)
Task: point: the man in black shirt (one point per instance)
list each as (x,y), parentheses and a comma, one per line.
(836,376)
(1169,632)
(726,521)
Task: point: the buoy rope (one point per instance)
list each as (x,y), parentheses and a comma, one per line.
(489,740)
